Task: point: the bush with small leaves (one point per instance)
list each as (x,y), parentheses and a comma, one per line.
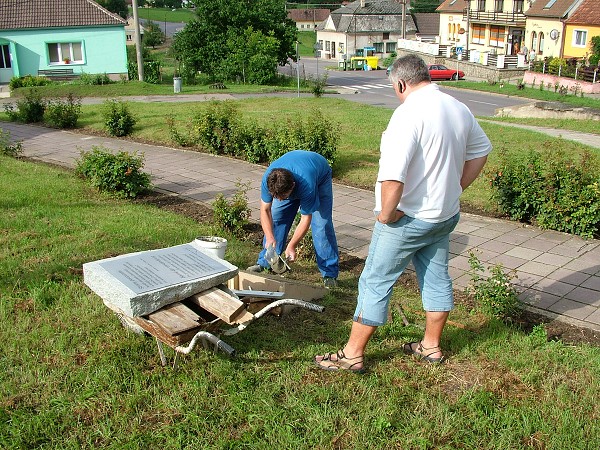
(119,173)
(63,113)
(214,126)
(494,295)
(30,109)
(232,215)
(118,120)
(8,147)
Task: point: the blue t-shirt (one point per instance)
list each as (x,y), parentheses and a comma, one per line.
(310,170)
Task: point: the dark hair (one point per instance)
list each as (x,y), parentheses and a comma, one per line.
(411,69)
(280,182)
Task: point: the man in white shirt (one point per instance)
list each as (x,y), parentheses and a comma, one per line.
(432,149)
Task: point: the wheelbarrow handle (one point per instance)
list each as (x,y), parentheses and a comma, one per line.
(207,337)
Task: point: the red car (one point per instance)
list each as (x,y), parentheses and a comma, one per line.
(441,72)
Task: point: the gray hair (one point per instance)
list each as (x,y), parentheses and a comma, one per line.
(411,69)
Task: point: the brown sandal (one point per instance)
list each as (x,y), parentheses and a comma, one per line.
(340,363)
(419,352)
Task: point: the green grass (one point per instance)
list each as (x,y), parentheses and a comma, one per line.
(71,377)
(358,146)
(510,89)
(307,40)
(165,14)
(580,125)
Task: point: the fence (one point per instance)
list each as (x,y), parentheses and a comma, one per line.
(588,74)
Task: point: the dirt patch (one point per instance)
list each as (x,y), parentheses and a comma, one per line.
(556,329)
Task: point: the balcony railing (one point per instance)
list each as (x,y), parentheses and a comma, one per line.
(508,18)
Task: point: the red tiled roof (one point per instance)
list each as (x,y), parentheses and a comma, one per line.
(556,10)
(308,15)
(588,13)
(19,14)
(455,6)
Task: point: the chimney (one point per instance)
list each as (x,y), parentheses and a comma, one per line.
(362,3)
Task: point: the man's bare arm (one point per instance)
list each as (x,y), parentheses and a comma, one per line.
(391,192)
(471,171)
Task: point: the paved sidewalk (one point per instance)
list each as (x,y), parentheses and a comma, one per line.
(558,274)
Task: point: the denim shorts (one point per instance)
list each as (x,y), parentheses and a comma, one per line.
(393,246)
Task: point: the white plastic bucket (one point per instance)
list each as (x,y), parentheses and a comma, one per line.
(212,245)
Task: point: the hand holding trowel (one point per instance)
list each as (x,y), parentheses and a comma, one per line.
(277,262)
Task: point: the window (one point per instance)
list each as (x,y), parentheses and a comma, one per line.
(579,38)
(129,37)
(533,40)
(496,36)
(498,5)
(65,51)
(480,5)
(549,4)
(390,47)
(541,49)
(378,47)
(478,34)
(327,46)
(518,6)
(341,47)
(386,36)
(4,57)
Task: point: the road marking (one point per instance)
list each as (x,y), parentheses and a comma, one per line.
(374,86)
(484,103)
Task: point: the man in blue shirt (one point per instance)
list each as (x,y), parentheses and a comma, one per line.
(299,180)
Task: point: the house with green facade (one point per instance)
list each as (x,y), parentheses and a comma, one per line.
(46,37)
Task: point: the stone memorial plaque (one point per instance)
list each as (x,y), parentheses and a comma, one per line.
(143,282)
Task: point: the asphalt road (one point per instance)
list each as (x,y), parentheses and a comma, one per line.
(373,88)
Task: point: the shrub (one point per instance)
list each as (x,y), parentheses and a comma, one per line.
(27,81)
(30,109)
(552,189)
(63,113)
(95,79)
(8,147)
(250,142)
(214,126)
(495,295)
(232,215)
(117,118)
(119,173)
(318,86)
(183,139)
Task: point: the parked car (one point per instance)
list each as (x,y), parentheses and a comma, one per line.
(441,72)
(389,68)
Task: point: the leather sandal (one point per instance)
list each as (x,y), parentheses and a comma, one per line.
(419,352)
(341,363)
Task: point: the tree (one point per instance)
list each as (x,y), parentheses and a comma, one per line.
(116,6)
(424,6)
(203,44)
(153,35)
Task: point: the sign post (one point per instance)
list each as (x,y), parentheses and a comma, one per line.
(459,52)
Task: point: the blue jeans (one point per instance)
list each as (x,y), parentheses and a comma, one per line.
(393,247)
(323,234)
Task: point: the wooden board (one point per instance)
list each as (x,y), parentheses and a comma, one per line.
(291,288)
(175,318)
(218,302)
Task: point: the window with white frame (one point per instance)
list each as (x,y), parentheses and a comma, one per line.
(390,47)
(499,5)
(63,52)
(378,47)
(579,38)
(533,40)
(541,47)
(480,5)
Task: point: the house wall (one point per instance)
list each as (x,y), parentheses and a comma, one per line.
(306,25)
(550,47)
(103,49)
(449,26)
(572,51)
(351,42)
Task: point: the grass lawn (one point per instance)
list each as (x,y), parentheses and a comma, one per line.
(358,147)
(71,377)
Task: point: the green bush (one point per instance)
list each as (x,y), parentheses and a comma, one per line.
(27,81)
(94,79)
(553,190)
(318,86)
(118,120)
(250,142)
(232,215)
(119,173)
(30,109)
(8,147)
(215,125)
(63,113)
(494,295)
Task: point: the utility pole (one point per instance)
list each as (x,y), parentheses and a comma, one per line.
(468,31)
(298,68)
(138,40)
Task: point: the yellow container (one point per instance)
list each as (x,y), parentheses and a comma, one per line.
(373,62)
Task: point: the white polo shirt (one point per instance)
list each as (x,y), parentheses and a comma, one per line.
(425,146)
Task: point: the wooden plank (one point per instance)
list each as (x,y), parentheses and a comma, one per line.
(258,294)
(219,303)
(175,318)
(291,288)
